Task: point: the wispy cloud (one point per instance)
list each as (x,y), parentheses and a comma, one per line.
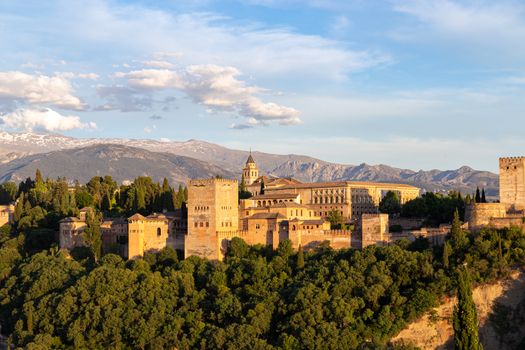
(203,38)
(496,28)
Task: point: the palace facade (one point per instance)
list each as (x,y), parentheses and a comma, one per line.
(286,209)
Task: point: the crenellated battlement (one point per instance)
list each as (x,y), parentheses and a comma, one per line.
(211,181)
(232,234)
(339,232)
(504,160)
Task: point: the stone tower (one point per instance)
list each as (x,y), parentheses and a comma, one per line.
(512,182)
(250,171)
(213,207)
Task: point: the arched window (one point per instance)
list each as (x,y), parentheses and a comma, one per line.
(159,231)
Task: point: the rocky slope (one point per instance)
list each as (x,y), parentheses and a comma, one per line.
(497,304)
(18,145)
(121,162)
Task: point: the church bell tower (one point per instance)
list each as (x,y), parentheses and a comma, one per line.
(250,171)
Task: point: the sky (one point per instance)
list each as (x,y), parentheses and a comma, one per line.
(419,84)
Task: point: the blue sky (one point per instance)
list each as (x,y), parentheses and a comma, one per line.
(419,84)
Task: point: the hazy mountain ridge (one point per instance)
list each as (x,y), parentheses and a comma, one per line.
(22,147)
(121,162)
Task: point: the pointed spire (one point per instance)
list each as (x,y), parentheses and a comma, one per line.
(250,158)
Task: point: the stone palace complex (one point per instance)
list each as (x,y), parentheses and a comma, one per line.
(286,210)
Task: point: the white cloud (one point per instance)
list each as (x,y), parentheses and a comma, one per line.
(217,88)
(44,119)
(158,64)
(71,75)
(39,89)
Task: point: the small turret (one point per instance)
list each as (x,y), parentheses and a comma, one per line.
(250,171)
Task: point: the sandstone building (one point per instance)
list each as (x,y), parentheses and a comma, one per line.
(510,210)
(350,198)
(287,210)
(212,210)
(6,214)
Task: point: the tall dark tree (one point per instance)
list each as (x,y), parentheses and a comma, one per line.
(455,229)
(92,235)
(478,196)
(262,186)
(447,250)
(465,316)
(300,258)
(483,198)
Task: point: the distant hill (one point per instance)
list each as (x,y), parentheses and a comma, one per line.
(121,162)
(18,146)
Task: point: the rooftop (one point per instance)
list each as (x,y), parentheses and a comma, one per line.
(267,216)
(276,196)
(385,185)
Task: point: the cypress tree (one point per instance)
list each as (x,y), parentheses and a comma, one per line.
(262,186)
(106,202)
(483,198)
(478,196)
(92,235)
(465,316)
(242,187)
(300,258)
(38,177)
(447,249)
(455,230)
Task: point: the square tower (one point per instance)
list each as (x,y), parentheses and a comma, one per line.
(512,182)
(213,207)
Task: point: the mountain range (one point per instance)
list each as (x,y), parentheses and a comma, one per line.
(57,155)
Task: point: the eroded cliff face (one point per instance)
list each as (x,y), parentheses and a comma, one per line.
(501,315)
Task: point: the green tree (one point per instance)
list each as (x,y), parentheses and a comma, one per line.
(455,229)
(483,197)
(335,218)
(243,193)
(38,177)
(8,191)
(465,316)
(390,204)
(300,258)
(447,250)
(478,196)
(83,199)
(92,235)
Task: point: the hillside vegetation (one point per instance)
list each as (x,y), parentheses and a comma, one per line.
(257,298)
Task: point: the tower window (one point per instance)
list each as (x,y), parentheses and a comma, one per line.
(159,231)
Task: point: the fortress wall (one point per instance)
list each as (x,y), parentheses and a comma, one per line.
(479,215)
(374,229)
(310,239)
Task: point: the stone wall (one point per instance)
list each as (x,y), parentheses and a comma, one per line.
(479,215)
(374,229)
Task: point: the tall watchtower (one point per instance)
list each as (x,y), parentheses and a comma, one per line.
(512,182)
(213,207)
(250,171)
